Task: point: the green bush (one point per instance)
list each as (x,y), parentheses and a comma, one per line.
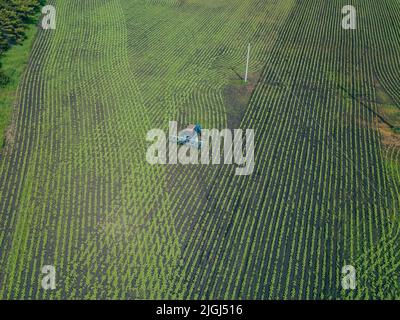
(14,16)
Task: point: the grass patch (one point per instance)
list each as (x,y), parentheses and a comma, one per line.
(14,62)
(391,112)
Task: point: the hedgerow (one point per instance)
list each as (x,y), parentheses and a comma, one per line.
(15,15)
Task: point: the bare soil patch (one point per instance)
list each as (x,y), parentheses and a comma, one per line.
(237,95)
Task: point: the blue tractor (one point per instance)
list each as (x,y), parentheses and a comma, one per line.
(189,136)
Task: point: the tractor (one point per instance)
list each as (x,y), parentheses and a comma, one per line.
(190,136)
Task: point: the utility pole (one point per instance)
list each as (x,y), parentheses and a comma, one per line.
(247,63)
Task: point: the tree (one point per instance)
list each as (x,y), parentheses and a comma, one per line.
(15,15)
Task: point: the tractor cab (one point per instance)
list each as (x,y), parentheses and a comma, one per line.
(191,136)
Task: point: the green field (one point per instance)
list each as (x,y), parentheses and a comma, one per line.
(77,193)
